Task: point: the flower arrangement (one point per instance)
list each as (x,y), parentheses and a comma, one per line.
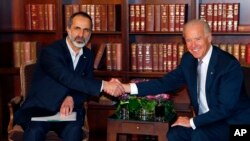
(143,108)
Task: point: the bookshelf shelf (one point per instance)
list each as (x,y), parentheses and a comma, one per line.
(232,33)
(28,31)
(146,74)
(156,33)
(105,73)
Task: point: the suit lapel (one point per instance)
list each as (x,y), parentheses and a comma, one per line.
(67,55)
(194,83)
(211,71)
(81,63)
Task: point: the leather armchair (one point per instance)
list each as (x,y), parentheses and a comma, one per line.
(15,132)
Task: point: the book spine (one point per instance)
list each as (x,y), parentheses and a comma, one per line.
(97,18)
(155,50)
(16,54)
(142,18)
(132,17)
(242,53)
(133,57)
(157,15)
(140,57)
(164,17)
(160,57)
(209,15)
(177,17)
(109,56)
(219,24)
(68,11)
(236,7)
(137,17)
(171,17)
(104,17)
(150,17)
(111,17)
(27,17)
(215,17)
(118,47)
(26,52)
(147,57)
(169,57)
(230,12)
(34,16)
(99,55)
(52,16)
(203,10)
(41,16)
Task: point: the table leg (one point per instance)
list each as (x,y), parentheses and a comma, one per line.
(162,137)
(112,136)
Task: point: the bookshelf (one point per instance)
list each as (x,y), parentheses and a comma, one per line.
(12,28)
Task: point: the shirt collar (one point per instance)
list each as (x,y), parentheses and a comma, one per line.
(207,57)
(72,53)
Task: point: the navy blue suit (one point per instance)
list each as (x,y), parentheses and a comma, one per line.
(54,79)
(227,101)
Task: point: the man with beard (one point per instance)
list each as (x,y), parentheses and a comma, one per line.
(62,81)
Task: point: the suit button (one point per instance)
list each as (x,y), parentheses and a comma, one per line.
(83,73)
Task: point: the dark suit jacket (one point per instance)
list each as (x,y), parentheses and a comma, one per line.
(55,78)
(227,101)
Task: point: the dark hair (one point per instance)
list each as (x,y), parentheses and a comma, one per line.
(83,14)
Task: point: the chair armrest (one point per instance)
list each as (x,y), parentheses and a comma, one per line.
(13,105)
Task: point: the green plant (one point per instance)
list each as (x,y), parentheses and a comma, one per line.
(134,105)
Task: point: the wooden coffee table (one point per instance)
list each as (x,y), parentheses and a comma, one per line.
(116,126)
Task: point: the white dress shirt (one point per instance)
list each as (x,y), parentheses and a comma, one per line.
(75,56)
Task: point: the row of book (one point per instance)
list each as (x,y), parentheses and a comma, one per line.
(166,56)
(24,52)
(104,16)
(156,56)
(40,16)
(221,17)
(240,51)
(158,18)
(109,55)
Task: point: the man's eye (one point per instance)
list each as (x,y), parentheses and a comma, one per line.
(87,30)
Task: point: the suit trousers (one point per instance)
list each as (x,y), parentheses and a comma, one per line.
(67,131)
(216,131)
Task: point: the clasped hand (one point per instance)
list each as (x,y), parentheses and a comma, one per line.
(113,87)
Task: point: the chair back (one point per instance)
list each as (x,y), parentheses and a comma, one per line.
(26,73)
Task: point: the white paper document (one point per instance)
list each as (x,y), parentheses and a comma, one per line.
(56,118)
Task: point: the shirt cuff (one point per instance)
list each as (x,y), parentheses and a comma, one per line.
(192,123)
(133,89)
(101,86)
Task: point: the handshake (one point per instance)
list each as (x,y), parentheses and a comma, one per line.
(115,88)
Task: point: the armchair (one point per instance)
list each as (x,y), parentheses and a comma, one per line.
(15,132)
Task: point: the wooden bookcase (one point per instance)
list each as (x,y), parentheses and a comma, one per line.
(12,28)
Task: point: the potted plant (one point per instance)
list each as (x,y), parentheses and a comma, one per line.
(143,108)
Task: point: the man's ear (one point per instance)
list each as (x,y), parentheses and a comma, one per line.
(67,29)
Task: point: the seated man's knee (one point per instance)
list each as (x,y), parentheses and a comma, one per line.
(34,133)
(172,134)
(75,133)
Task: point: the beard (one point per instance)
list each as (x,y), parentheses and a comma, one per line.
(78,41)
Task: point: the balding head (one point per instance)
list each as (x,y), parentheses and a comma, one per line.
(195,23)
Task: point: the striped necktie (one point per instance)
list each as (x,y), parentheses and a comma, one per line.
(199,84)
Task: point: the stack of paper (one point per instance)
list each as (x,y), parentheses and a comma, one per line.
(56,118)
